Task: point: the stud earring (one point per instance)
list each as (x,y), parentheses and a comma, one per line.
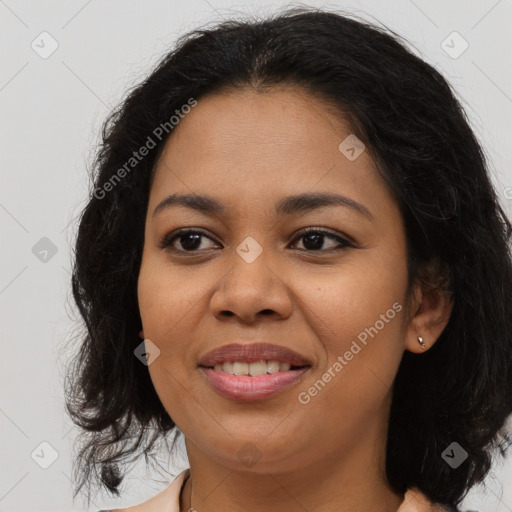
(421,342)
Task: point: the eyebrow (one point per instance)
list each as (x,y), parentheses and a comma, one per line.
(290,205)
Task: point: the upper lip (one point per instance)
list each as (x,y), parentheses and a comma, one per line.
(251,353)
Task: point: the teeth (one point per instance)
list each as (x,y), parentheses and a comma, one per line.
(259,368)
(240,368)
(253,369)
(273,366)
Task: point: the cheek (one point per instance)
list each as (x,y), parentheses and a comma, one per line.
(342,303)
(164,301)
(165,297)
(172,304)
(363,351)
(357,313)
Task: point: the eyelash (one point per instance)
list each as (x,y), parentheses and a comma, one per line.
(166,243)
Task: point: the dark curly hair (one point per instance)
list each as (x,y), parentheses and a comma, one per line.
(418,134)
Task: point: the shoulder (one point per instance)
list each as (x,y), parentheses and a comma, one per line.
(165,501)
(416,501)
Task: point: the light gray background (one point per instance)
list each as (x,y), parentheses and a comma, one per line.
(51,113)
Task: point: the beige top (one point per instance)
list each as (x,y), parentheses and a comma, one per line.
(169,500)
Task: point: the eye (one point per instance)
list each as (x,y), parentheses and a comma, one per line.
(189,239)
(313,240)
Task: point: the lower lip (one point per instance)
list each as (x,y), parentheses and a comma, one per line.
(243,388)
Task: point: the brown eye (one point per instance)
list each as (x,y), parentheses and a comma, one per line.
(189,240)
(313,240)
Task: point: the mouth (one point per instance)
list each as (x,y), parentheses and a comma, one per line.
(254,369)
(249,388)
(257,355)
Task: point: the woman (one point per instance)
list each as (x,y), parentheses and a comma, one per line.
(297,220)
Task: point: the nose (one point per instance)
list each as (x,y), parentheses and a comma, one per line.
(251,290)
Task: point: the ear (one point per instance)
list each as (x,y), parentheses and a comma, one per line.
(141,334)
(432,305)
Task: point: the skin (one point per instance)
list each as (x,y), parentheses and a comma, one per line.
(248,150)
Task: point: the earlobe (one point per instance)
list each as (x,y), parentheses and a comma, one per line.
(141,334)
(430,319)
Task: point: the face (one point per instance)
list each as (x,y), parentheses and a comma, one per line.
(248,273)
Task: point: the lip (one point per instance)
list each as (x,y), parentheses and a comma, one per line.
(251,353)
(244,389)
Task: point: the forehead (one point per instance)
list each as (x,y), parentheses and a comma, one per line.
(245,145)
(279,120)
